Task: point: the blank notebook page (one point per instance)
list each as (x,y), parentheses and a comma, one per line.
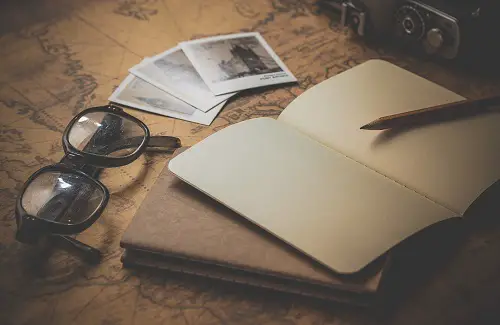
(335,210)
(452,163)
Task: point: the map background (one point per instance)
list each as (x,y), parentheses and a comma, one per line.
(61,57)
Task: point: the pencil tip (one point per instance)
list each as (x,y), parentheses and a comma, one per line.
(365,127)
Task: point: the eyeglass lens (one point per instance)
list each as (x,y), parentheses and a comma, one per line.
(65,198)
(106,134)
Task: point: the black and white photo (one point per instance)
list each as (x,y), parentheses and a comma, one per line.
(172,72)
(235,62)
(137,93)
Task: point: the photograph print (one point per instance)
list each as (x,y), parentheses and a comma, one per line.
(235,62)
(172,72)
(137,93)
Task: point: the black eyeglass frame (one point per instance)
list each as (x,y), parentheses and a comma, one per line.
(99,160)
(88,166)
(55,227)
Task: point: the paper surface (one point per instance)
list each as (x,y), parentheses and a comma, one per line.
(139,94)
(335,210)
(451,163)
(172,72)
(235,62)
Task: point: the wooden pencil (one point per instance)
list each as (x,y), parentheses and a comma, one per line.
(434,114)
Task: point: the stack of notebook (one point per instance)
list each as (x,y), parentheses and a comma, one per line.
(309,203)
(192,233)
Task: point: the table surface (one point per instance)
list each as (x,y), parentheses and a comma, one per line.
(59,57)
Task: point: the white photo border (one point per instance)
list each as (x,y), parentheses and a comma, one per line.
(285,76)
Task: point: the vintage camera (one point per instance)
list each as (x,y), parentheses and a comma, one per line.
(435,28)
(444,28)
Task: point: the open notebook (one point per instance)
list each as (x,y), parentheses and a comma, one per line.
(342,195)
(191,233)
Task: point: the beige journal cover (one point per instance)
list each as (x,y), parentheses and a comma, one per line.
(342,195)
(179,228)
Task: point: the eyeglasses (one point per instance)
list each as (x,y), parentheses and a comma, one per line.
(66,198)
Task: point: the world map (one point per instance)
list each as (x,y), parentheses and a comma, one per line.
(60,58)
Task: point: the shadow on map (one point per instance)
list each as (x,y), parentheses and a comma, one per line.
(17,14)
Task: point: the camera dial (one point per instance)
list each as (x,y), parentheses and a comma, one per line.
(410,24)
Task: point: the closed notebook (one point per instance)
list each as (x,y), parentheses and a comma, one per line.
(181,229)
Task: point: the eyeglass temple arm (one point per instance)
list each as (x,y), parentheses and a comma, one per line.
(158,143)
(89,253)
(162,143)
(166,144)
(56,208)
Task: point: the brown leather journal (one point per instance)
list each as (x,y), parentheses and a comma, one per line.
(178,228)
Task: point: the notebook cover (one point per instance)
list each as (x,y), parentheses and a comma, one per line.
(141,259)
(177,220)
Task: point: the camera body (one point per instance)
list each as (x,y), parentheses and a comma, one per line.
(443,28)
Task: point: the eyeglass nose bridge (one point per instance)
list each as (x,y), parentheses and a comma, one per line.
(30,230)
